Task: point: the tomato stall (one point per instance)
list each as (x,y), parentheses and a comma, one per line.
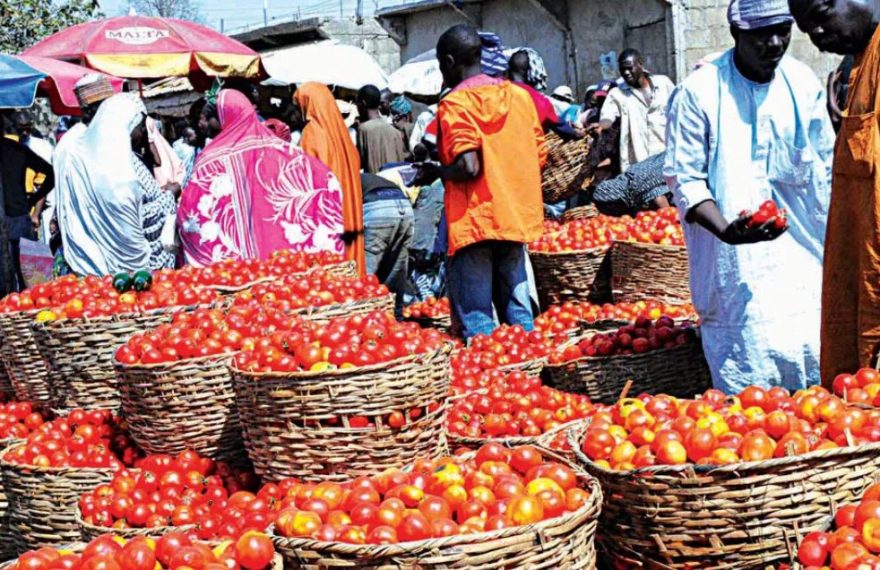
(275,414)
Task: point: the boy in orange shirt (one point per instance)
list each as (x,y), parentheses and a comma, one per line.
(491,147)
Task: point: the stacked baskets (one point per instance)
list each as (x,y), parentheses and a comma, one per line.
(299,424)
(572,275)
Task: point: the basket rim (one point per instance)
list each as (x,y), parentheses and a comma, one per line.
(172,364)
(515,366)
(592,507)
(627,243)
(47,470)
(578,252)
(158,531)
(317,310)
(118,317)
(620,357)
(378,367)
(537,440)
(576,433)
(25,313)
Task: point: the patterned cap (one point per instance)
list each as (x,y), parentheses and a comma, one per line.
(92,88)
(756,14)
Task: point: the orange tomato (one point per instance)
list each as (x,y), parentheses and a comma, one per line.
(525,510)
(756,447)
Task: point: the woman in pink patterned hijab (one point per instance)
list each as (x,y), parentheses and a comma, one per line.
(251,194)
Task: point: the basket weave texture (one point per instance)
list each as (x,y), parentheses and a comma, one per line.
(580,213)
(565,542)
(349,309)
(25,366)
(681,372)
(734,516)
(572,276)
(43,500)
(650,271)
(442,324)
(297,424)
(8,544)
(568,168)
(80,355)
(189,404)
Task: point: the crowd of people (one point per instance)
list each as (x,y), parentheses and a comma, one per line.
(442,199)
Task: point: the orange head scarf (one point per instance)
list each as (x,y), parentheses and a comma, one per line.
(326,137)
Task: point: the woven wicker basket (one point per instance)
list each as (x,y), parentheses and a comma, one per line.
(277,562)
(681,372)
(8,544)
(580,213)
(568,168)
(734,516)
(649,271)
(474,443)
(190,404)
(286,417)
(25,366)
(6,388)
(566,542)
(572,276)
(80,355)
(343,269)
(90,532)
(43,500)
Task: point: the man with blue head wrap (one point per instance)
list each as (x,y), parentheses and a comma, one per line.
(748,127)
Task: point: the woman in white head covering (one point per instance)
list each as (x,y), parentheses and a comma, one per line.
(110,209)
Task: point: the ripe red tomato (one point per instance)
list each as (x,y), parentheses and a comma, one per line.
(254,551)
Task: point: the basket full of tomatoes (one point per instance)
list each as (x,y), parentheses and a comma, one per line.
(175,383)
(725,482)
(431,313)
(320,295)
(340,398)
(651,260)
(571,262)
(656,356)
(78,339)
(19,351)
(45,475)
(495,508)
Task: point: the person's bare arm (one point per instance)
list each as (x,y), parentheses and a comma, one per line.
(660,202)
(37,212)
(464,168)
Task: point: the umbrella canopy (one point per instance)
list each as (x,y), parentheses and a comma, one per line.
(18,82)
(421,74)
(144,47)
(22,76)
(325,62)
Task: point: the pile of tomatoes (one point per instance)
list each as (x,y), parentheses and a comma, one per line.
(94,438)
(863,387)
(854,545)
(316,289)
(659,227)
(204,332)
(236,273)
(357,341)
(430,308)
(252,551)
(179,491)
(515,406)
(756,425)
(567,316)
(497,488)
(18,420)
(640,337)
(507,345)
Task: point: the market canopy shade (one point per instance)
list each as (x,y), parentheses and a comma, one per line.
(325,62)
(143,47)
(21,77)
